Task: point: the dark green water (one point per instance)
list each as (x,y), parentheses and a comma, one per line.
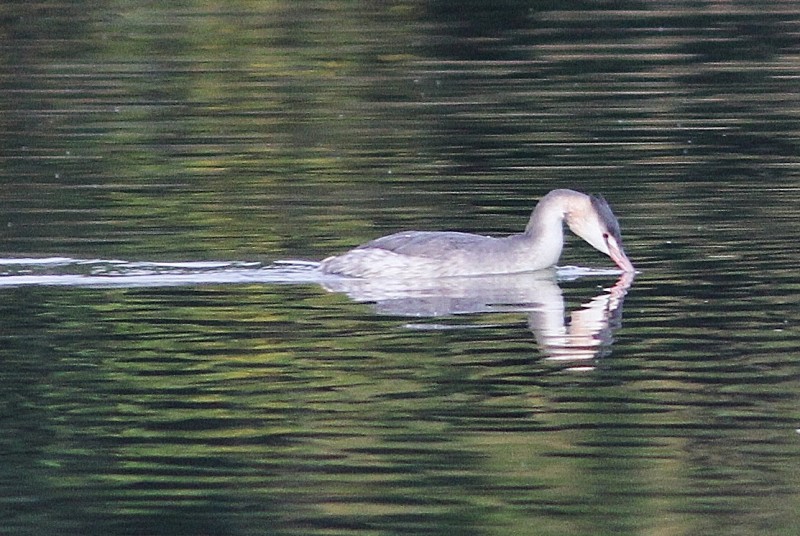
(240,403)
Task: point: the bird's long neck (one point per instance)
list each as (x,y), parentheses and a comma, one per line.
(544,233)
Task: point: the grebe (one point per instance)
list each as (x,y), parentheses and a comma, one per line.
(426,254)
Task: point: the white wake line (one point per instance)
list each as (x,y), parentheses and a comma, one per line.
(120,273)
(157,280)
(235,276)
(69,261)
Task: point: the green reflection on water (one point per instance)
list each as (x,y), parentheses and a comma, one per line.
(238,405)
(277,129)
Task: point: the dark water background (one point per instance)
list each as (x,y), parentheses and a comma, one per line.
(248,132)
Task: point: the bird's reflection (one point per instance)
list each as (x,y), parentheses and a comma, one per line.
(588,332)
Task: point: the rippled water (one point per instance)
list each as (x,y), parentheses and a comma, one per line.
(162,373)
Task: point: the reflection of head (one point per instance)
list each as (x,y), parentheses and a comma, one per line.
(589,334)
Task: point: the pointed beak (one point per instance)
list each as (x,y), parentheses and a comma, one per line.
(618,256)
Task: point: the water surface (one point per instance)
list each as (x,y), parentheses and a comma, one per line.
(159,374)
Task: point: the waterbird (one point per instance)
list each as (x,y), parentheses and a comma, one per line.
(435,254)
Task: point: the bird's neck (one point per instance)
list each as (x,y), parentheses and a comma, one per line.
(544,234)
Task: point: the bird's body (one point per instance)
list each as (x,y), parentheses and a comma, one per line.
(427,254)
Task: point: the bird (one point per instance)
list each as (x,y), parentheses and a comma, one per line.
(435,254)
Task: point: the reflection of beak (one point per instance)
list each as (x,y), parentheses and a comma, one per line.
(618,256)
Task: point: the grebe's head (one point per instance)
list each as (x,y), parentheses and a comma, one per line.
(593,221)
